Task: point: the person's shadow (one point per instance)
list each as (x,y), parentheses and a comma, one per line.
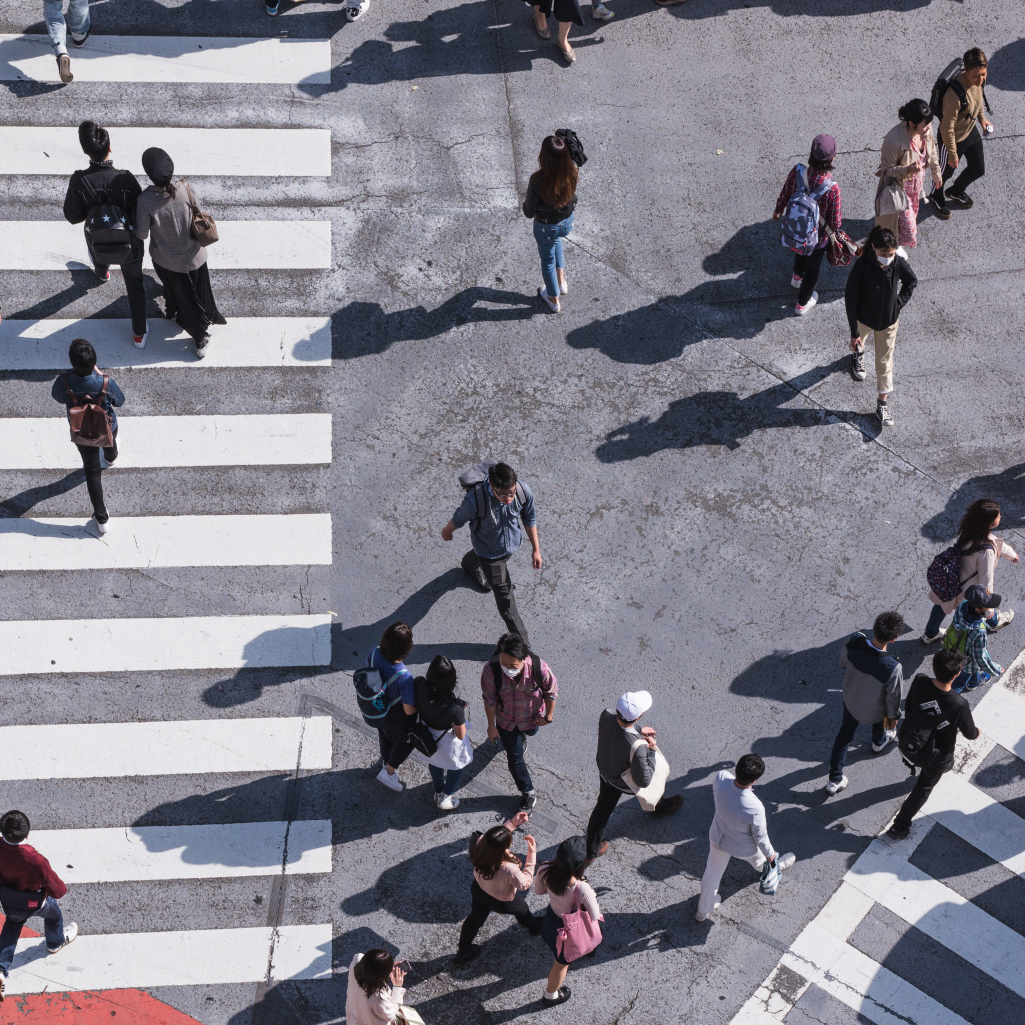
(1006,487)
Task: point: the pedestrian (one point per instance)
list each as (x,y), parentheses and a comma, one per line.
(962,114)
(375,989)
(102,183)
(494,510)
(519,692)
(393,737)
(873,688)
(968,634)
(600,12)
(551,200)
(498,878)
(566,13)
(86,383)
(908,149)
(164,215)
(30,888)
(928,734)
(78,21)
(814,183)
(979,550)
(445,716)
(738,830)
(879,286)
(618,752)
(563,880)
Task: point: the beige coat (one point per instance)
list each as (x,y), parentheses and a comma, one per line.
(380,1009)
(898,160)
(977,568)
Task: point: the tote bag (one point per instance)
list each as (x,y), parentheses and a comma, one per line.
(650,795)
(452,753)
(580,933)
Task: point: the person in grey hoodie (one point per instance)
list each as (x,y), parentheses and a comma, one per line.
(872,692)
(617,735)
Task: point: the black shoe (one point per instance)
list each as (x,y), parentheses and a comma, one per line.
(81,42)
(462,956)
(898,832)
(940,205)
(478,577)
(535,927)
(527,801)
(563,996)
(668,805)
(962,199)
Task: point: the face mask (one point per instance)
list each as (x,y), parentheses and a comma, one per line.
(884,261)
(511,673)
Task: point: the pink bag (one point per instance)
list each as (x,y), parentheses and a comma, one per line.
(580,933)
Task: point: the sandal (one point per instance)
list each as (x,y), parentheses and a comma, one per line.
(542,32)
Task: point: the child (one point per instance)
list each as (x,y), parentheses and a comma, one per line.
(967,634)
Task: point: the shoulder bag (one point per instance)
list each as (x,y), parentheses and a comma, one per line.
(204,227)
(650,795)
(580,933)
(408,1016)
(840,250)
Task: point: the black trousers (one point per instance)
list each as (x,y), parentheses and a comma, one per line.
(134,286)
(497,573)
(482,904)
(189,300)
(608,798)
(393,738)
(91,462)
(974,152)
(927,779)
(808,268)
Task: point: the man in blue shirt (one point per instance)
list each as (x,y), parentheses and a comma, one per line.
(83,380)
(496,536)
(389,659)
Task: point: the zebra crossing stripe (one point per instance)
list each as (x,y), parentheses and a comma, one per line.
(146,542)
(255,439)
(113,749)
(141,645)
(218,851)
(197,957)
(243,245)
(242,342)
(244,152)
(1001,716)
(141,59)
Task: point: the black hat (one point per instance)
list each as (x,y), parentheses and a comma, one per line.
(572,854)
(979,598)
(158,166)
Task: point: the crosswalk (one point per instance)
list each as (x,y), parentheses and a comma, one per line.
(911,917)
(213,747)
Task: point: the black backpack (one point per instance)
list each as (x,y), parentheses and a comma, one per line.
(108,232)
(949,80)
(370,686)
(916,739)
(498,676)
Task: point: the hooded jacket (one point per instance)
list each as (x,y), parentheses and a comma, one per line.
(874,684)
(875,295)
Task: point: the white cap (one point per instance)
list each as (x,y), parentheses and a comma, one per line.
(633,705)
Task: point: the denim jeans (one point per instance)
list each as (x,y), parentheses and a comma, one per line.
(53,930)
(446,781)
(513,742)
(78,19)
(967,681)
(93,475)
(549,245)
(848,727)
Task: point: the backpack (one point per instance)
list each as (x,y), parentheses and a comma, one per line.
(536,674)
(370,686)
(957,640)
(108,232)
(949,80)
(915,739)
(802,217)
(473,479)
(944,574)
(89,419)
(420,735)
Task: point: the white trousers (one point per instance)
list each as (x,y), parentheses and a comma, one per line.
(718,859)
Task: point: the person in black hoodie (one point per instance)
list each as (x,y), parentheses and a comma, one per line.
(878,288)
(934,715)
(122,190)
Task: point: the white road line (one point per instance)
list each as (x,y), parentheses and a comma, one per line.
(260,439)
(140,645)
(89,750)
(200,957)
(1001,716)
(218,851)
(171,59)
(244,245)
(146,542)
(249,152)
(242,342)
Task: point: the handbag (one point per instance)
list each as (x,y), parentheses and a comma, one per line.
(840,250)
(771,875)
(650,795)
(19,905)
(891,198)
(409,1016)
(204,227)
(580,933)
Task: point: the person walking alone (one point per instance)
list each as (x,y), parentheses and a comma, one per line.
(375,991)
(72,389)
(879,286)
(78,21)
(164,215)
(738,830)
(551,200)
(30,888)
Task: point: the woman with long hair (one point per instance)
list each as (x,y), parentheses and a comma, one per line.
(163,214)
(445,716)
(498,878)
(980,549)
(551,200)
(375,991)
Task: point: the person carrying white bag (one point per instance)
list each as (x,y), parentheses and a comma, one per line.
(445,716)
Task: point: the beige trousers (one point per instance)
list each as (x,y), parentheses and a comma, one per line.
(885,342)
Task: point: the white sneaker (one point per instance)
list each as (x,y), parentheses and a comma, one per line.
(447,802)
(802,310)
(140,340)
(3,986)
(552,304)
(101,528)
(1003,618)
(887,737)
(902,253)
(356,11)
(784,861)
(701,915)
(601,13)
(835,788)
(933,640)
(391,781)
(70,935)
(564,285)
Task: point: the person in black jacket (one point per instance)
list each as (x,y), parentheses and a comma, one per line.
(934,715)
(878,288)
(122,190)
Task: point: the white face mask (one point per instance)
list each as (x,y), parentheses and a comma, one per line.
(884,261)
(512,673)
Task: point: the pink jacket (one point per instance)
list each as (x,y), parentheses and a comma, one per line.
(380,1009)
(508,879)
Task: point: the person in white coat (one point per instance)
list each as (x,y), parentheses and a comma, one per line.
(375,989)
(738,830)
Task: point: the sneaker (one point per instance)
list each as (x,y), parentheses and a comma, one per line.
(858,371)
(835,787)
(446,802)
(898,832)
(272,7)
(888,737)
(64,69)
(600,853)
(932,640)
(601,13)
(802,310)
(560,998)
(785,861)
(462,956)
(202,347)
(1003,618)
(883,412)
(795,281)
(528,800)
(962,199)
(70,935)
(390,780)
(81,42)
(564,284)
(101,528)
(3,986)
(668,805)
(940,205)
(104,277)
(140,340)
(356,11)
(700,916)
(552,304)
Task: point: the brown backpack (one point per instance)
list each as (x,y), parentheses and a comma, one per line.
(90,421)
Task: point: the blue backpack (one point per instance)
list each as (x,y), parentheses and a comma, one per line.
(801,220)
(370,686)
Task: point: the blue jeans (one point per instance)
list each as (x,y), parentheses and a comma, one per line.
(969,681)
(936,617)
(513,742)
(549,245)
(53,930)
(78,19)
(446,781)
(848,727)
